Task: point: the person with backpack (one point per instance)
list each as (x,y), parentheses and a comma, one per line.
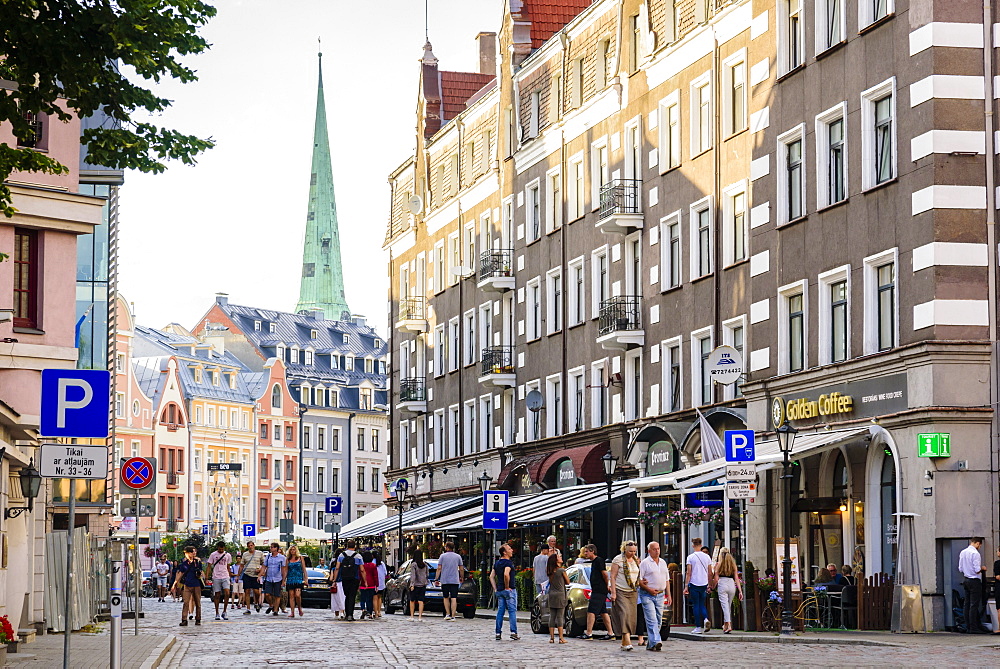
(348,573)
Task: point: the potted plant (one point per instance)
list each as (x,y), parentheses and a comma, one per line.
(7,635)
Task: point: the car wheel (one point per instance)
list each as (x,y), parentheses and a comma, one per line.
(469,612)
(571,626)
(536,621)
(404,603)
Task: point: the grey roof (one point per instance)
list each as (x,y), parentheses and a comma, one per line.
(149,375)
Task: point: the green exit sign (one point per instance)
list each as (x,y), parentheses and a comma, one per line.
(934,445)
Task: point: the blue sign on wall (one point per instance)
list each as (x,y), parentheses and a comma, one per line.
(204,530)
(495,507)
(334,504)
(75,403)
(739,446)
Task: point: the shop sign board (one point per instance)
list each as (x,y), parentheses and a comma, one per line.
(934,445)
(858,399)
(725,365)
(741,489)
(565,474)
(793,552)
(660,458)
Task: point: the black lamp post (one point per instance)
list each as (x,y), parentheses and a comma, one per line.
(786,439)
(400,488)
(484,484)
(610,463)
(31,484)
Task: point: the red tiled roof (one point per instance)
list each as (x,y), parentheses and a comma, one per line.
(457,88)
(549,16)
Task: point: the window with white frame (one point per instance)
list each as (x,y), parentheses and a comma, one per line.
(577,195)
(701,114)
(600,281)
(834,315)
(881,305)
(534,309)
(878,134)
(701,377)
(471,434)
(532,211)
(792,327)
(440,436)
(735,229)
(831,156)
(469,336)
(701,238)
(600,170)
(734,85)
(577,390)
(534,113)
(507,223)
(577,82)
(454,258)
(871,11)
(487,150)
(453,173)
(633,384)
(670,251)
(599,410)
(553,405)
(555,98)
(603,62)
(633,149)
(670,131)
(554,300)
(673,380)
(734,334)
(485,422)
(553,200)
(485,325)
(469,262)
(633,264)
(831,23)
(532,419)
(576,292)
(791,35)
(454,343)
(454,431)
(791,174)
(440,349)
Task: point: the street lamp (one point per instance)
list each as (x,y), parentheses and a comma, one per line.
(786,439)
(610,463)
(401,487)
(31,484)
(484,484)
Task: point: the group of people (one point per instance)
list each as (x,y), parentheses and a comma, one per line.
(357,578)
(977,586)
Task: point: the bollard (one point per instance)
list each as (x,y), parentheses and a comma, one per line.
(116,614)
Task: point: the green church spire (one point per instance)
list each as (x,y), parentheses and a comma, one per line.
(322,283)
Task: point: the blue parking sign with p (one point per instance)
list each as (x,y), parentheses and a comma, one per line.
(739,446)
(249,529)
(75,403)
(334,504)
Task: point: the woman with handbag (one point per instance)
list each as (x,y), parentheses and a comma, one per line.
(558,580)
(337,599)
(624,597)
(418,584)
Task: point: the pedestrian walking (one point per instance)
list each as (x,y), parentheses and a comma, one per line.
(189,583)
(296,579)
(418,584)
(162,569)
(348,573)
(369,583)
(970,563)
(251,564)
(558,580)
(502,580)
(624,600)
(235,584)
(218,571)
(696,575)
(275,569)
(654,576)
(538,567)
(728,585)
(450,573)
(597,604)
(380,589)
(336,591)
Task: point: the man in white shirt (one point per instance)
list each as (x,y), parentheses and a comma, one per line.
(539,566)
(696,584)
(653,581)
(970,563)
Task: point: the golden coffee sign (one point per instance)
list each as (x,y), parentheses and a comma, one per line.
(825,405)
(869,397)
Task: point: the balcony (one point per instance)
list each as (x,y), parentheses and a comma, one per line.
(172,479)
(620,323)
(621,207)
(171,525)
(413,395)
(496,270)
(498,367)
(412,315)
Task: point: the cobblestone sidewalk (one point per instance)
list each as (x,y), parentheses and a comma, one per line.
(93,651)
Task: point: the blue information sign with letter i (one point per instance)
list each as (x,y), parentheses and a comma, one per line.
(75,403)
(204,530)
(739,446)
(495,503)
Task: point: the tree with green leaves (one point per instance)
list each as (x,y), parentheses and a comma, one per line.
(90,54)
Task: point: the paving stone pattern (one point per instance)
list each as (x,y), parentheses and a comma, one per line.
(395,641)
(90,651)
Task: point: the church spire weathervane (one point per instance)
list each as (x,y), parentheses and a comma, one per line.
(322,283)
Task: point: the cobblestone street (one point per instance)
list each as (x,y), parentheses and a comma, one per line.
(318,640)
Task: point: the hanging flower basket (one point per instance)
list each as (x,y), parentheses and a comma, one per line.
(682,516)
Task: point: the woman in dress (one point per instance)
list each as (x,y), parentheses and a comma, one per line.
(728,584)
(296,580)
(380,589)
(369,583)
(337,600)
(624,576)
(558,580)
(418,584)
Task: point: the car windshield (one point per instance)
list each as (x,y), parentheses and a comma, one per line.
(579,574)
(431,569)
(317,573)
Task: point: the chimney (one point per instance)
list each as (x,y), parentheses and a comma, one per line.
(222,299)
(487,53)
(317,314)
(358,319)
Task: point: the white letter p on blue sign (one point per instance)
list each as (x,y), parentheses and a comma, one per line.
(75,403)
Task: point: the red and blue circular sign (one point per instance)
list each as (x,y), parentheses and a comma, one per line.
(137,473)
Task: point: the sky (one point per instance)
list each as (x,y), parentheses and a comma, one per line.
(234,223)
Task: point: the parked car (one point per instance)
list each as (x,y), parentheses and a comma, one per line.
(578,596)
(317,594)
(148,584)
(397,592)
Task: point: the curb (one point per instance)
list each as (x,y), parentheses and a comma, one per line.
(155,657)
(746,638)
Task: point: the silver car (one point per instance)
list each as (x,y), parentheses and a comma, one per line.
(578,597)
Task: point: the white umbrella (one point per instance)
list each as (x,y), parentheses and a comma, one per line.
(300,532)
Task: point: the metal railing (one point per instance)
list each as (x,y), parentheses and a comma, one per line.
(620,196)
(498,360)
(412,309)
(622,312)
(413,389)
(171,525)
(496,263)
(172,478)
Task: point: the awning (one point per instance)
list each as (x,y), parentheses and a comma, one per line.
(411,516)
(768,456)
(586,462)
(539,507)
(532,463)
(381,513)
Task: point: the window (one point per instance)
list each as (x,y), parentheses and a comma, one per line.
(734,83)
(335,480)
(507,223)
(306,444)
(553,400)
(885,276)
(577,82)
(838,321)
(453,173)
(791,177)
(469,438)
(485,423)
(320,438)
(308,357)
(555,98)
(553,202)
(289,434)
(670,131)
(831,24)
(734,334)
(831,156)
(734,234)
(361,438)
(485,325)
(577,389)
(670,251)
(271,327)
(633,384)
(454,258)
(790,35)
(119,405)
(870,11)
(701,114)
(635,44)
(376,478)
(361,480)
(701,238)
(600,281)
(469,331)
(36,138)
(293,355)
(673,382)
(633,150)
(263,468)
(834,315)
(366,399)
(306,477)
(196,509)
(197,460)
(534,309)
(319,396)
(533,211)
(603,62)
(277,469)
(599,396)
(577,188)
(533,418)
(555,300)
(454,436)
(120,362)
(878,134)
(335,440)
(792,327)
(470,247)
(454,341)
(534,113)
(349,363)
(276,397)
(701,349)
(439,276)
(334,361)
(600,171)
(334,398)
(439,350)
(577,299)
(375,441)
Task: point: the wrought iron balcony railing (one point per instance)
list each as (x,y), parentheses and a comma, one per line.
(498,360)
(496,263)
(620,196)
(621,313)
(413,389)
(412,309)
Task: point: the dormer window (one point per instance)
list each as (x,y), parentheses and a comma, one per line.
(197,374)
(309,357)
(347,339)
(281,352)
(293,355)
(271,327)
(335,361)
(232,381)
(314,334)
(369,366)
(256,326)
(378,345)
(318,396)
(349,363)
(215,377)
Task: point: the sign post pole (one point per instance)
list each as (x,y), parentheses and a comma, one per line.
(116,612)
(136,570)
(68,615)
